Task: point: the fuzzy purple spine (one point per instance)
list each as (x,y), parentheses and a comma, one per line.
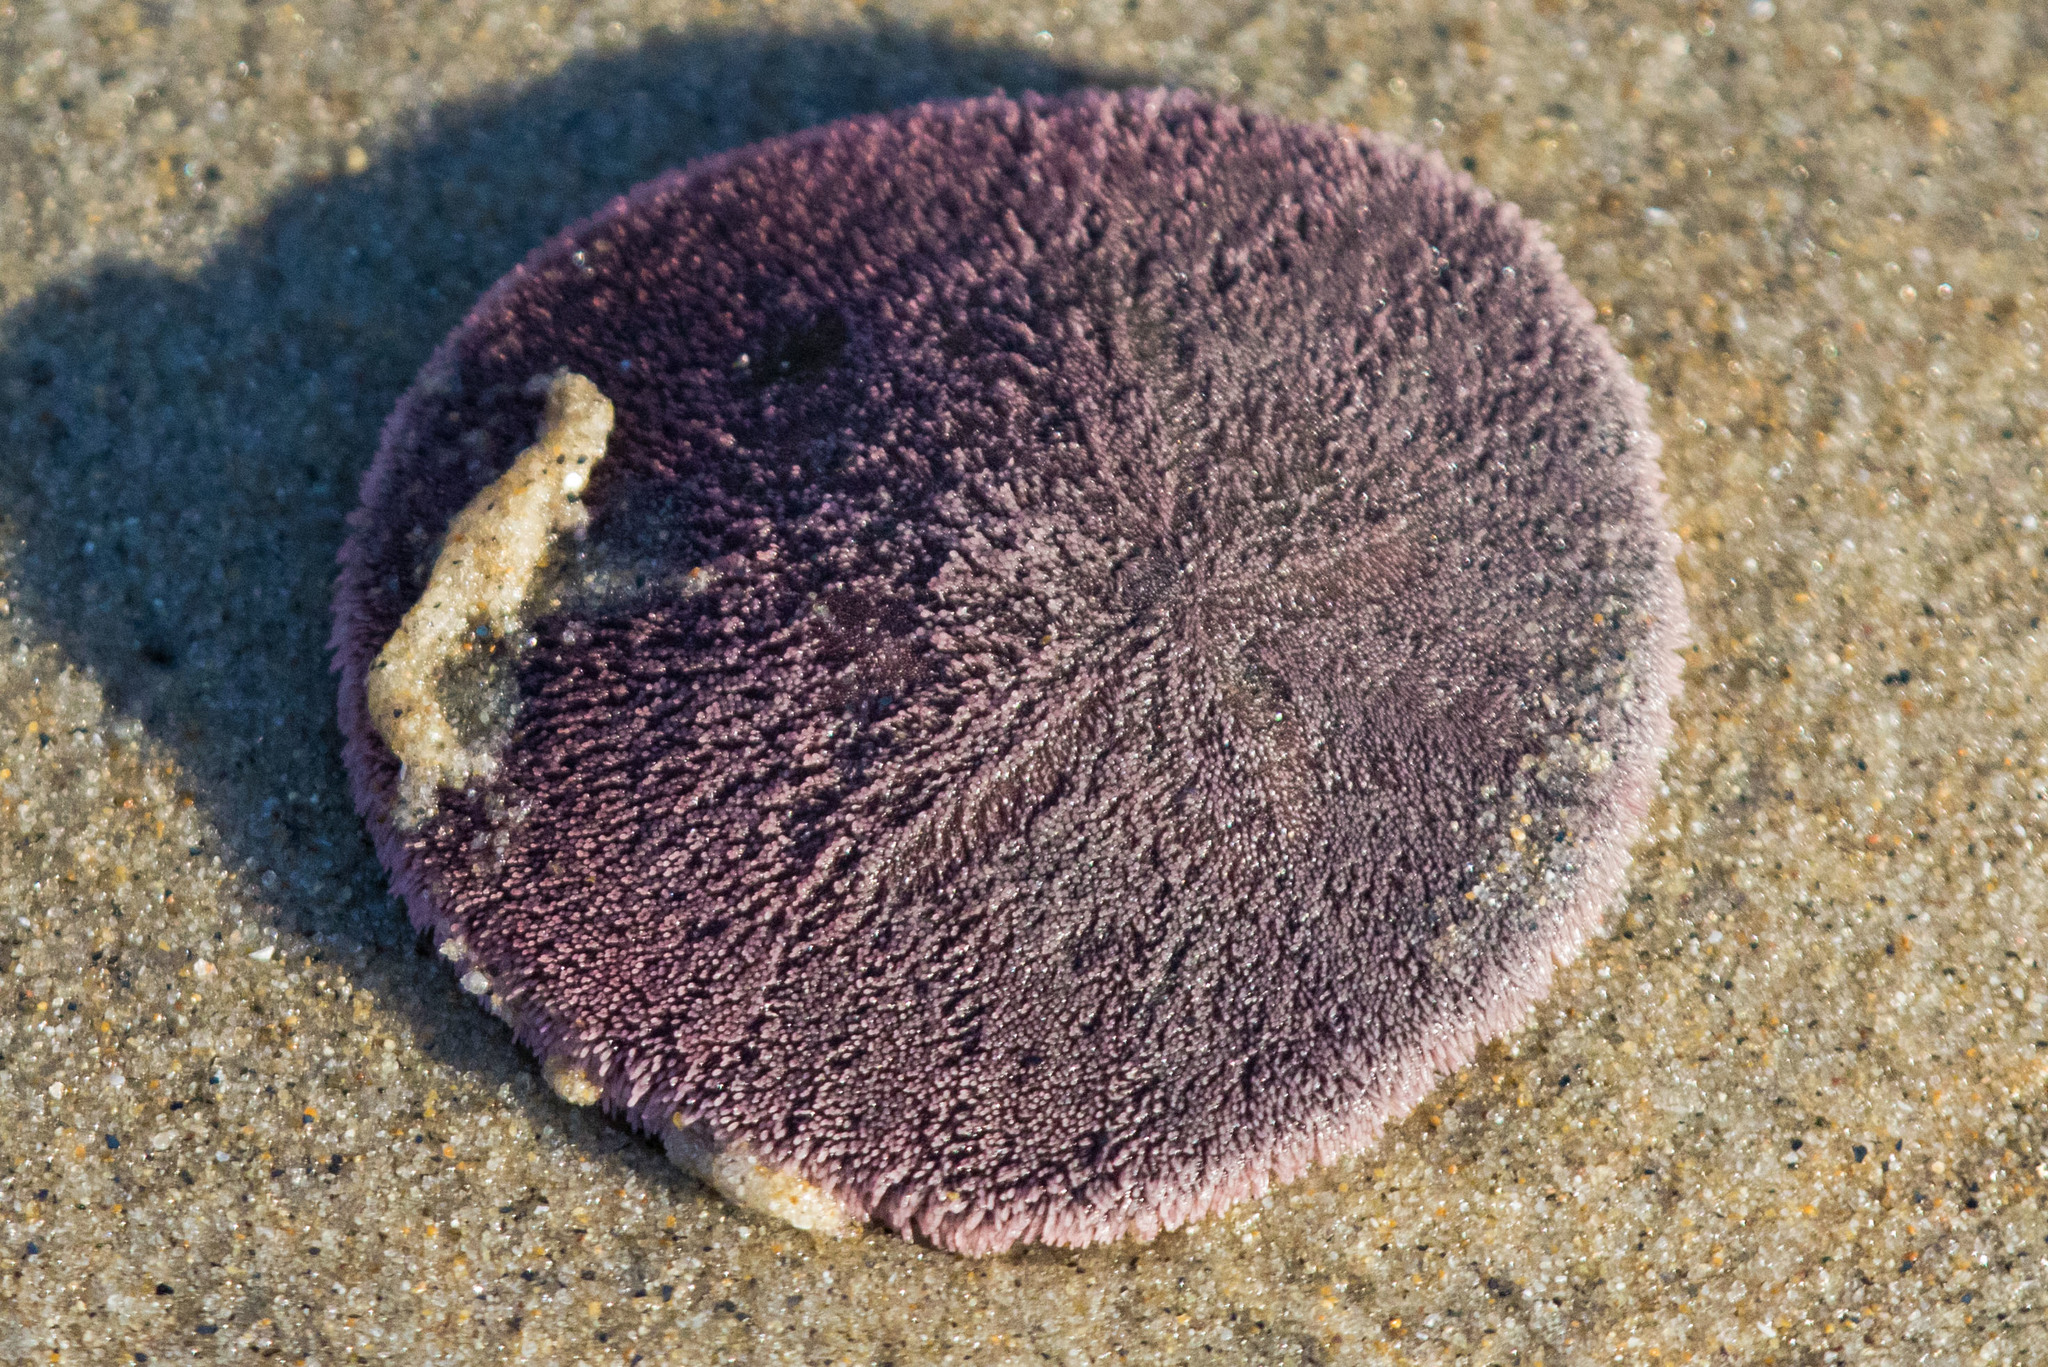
(996,423)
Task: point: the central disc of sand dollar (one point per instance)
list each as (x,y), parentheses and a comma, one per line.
(1101,646)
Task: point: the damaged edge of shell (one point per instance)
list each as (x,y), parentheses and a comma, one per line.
(479,589)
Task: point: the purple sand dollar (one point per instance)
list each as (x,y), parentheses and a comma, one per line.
(1023,669)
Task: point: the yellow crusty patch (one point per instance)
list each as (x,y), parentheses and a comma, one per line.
(479,582)
(571,1083)
(752,1185)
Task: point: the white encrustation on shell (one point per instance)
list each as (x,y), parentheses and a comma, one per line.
(477,591)
(748,1183)
(730,1171)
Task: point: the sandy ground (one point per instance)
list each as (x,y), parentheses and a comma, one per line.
(1791,1110)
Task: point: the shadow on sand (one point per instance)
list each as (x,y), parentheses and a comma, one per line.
(184,450)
